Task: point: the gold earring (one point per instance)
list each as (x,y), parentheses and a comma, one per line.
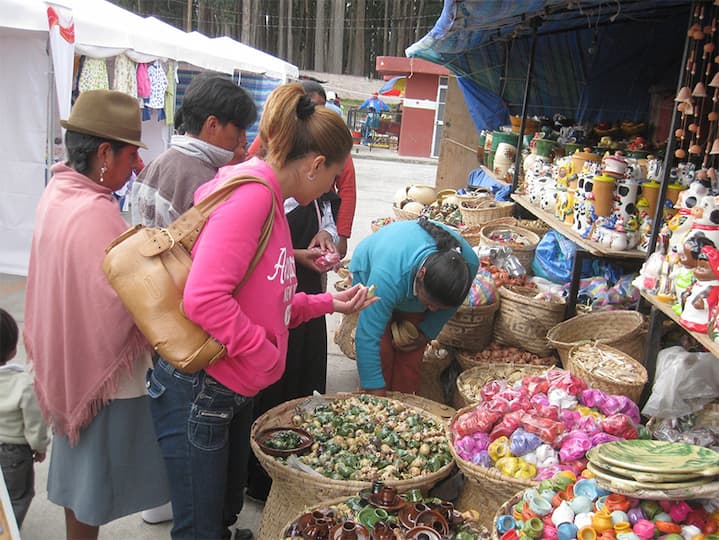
(102,173)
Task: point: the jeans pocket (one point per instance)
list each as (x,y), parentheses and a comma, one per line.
(208,427)
(155,388)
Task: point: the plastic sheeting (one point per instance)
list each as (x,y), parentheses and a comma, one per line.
(595,61)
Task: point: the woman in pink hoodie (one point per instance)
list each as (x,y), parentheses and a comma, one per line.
(203,420)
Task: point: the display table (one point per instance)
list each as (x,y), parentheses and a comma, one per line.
(8,525)
(585,248)
(660,312)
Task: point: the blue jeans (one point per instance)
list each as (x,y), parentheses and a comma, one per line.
(204,433)
(17,469)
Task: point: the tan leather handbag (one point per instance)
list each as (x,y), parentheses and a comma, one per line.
(148,268)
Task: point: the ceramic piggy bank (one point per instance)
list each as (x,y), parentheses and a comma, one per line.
(707,219)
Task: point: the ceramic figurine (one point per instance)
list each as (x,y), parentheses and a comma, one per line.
(683,271)
(706,218)
(695,315)
(625,199)
(685,173)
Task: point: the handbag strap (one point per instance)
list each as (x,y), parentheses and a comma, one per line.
(186,228)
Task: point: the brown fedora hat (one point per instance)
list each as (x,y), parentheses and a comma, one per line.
(107,114)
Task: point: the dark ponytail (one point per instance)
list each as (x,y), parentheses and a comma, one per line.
(447,278)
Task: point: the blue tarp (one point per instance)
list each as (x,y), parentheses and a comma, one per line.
(594,60)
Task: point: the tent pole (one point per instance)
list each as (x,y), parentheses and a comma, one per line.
(535,22)
(671,144)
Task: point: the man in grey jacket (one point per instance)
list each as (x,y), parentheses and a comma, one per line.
(214,116)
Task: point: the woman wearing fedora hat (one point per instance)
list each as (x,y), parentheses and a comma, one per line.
(88,356)
(203,420)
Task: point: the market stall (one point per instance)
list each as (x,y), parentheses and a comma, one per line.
(34,77)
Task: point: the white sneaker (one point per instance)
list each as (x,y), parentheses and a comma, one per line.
(159,514)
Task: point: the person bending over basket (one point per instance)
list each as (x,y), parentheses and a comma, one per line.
(422,272)
(203,420)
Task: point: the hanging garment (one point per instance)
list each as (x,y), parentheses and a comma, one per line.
(158,85)
(94,75)
(144,87)
(170,94)
(125,75)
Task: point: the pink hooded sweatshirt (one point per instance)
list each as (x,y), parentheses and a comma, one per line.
(254,324)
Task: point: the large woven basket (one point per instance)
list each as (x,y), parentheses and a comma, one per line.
(484,210)
(485,489)
(509,355)
(470,328)
(505,508)
(608,369)
(470,382)
(623,330)
(537,226)
(471,233)
(292,489)
(405,214)
(525,253)
(485,533)
(523,321)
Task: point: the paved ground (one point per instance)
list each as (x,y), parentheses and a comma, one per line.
(380,173)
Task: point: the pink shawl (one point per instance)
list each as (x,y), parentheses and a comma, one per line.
(77,333)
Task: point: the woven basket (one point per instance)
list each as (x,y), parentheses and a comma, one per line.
(471,233)
(488,488)
(484,533)
(293,490)
(467,360)
(478,376)
(623,330)
(345,335)
(430,383)
(470,328)
(525,253)
(484,210)
(404,214)
(523,321)
(505,508)
(625,376)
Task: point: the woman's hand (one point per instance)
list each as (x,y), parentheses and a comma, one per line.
(308,258)
(352,300)
(323,240)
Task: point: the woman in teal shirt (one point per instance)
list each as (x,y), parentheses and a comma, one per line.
(422,272)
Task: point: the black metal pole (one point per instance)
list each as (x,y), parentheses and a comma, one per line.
(535,22)
(671,145)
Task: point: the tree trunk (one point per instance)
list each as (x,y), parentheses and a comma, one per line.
(358,53)
(290,56)
(385,34)
(246,14)
(396,23)
(418,27)
(337,33)
(281,28)
(320,37)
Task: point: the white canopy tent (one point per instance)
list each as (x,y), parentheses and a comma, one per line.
(29,104)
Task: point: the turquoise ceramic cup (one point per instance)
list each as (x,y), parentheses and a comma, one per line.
(581,504)
(529,494)
(567,531)
(504,523)
(627,536)
(586,487)
(618,516)
(540,506)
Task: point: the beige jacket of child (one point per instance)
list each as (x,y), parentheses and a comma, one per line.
(20,419)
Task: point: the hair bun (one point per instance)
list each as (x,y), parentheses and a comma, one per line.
(305,107)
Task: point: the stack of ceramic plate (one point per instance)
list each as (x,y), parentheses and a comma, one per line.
(655,469)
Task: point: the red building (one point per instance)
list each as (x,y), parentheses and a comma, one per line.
(423,104)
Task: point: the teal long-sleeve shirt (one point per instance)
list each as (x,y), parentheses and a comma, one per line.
(389,259)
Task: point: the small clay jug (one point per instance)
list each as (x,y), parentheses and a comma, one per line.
(387,496)
(382,531)
(348,531)
(377,487)
(319,530)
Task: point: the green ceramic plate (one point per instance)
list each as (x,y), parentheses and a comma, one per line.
(642,476)
(659,456)
(629,484)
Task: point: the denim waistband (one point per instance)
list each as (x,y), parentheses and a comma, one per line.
(13,445)
(172,370)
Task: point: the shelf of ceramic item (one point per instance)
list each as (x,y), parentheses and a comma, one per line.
(666,309)
(562,228)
